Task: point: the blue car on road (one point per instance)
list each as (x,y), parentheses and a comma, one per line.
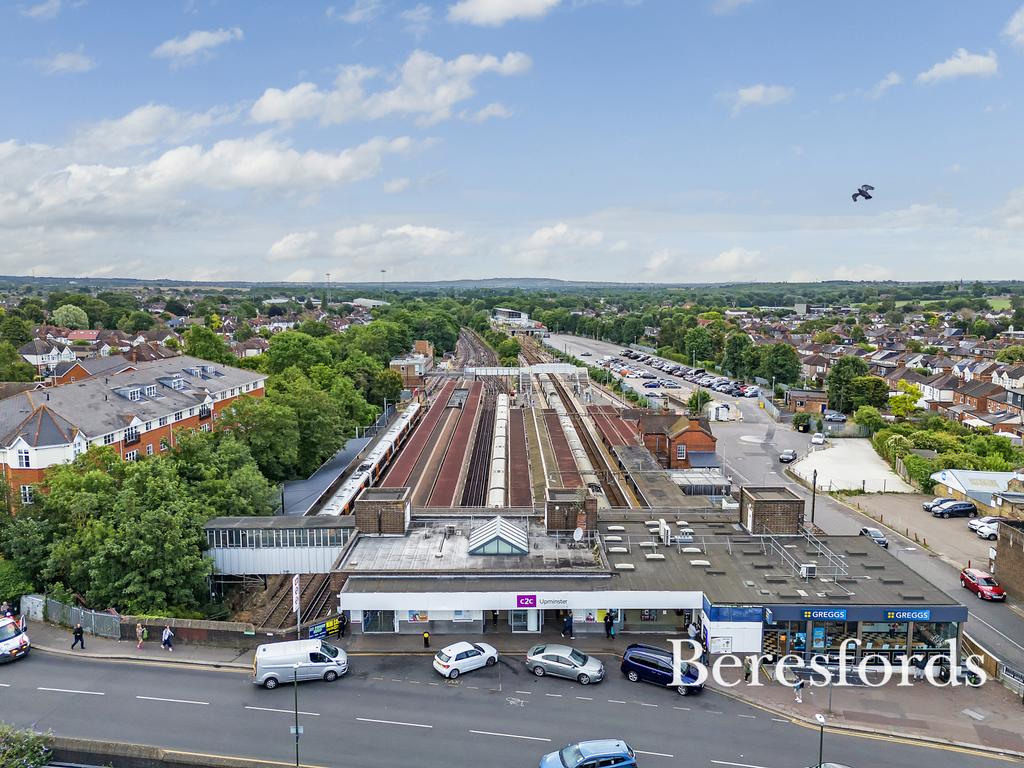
(651,664)
(613,753)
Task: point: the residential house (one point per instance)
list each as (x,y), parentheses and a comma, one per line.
(142,353)
(1010,376)
(814,367)
(137,412)
(678,442)
(250,347)
(806,401)
(44,354)
(86,368)
(938,390)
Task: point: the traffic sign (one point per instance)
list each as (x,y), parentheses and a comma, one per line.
(295,593)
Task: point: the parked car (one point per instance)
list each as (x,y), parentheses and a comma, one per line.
(752,392)
(982,584)
(876,536)
(787,456)
(14,642)
(817,439)
(586,354)
(457,658)
(589,754)
(564,661)
(988,531)
(955,509)
(835,416)
(671,385)
(277,663)
(651,664)
(651,384)
(977,522)
(928,506)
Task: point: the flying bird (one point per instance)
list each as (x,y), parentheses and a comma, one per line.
(864,191)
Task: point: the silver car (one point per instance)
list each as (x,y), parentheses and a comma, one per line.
(563,661)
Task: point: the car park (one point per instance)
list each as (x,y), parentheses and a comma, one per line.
(982,584)
(787,456)
(652,664)
(564,661)
(817,439)
(14,642)
(613,753)
(955,509)
(876,536)
(928,506)
(988,531)
(458,658)
(977,522)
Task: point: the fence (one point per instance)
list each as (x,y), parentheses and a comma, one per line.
(770,408)
(40,608)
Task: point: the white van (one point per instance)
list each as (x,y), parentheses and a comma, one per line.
(14,643)
(277,663)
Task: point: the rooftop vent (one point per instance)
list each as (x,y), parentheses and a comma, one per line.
(625,566)
(654,556)
(700,563)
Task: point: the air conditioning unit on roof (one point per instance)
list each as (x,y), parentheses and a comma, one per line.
(808,570)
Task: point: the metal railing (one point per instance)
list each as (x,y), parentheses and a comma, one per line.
(40,608)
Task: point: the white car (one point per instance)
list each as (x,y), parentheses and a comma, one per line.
(988,531)
(817,439)
(457,658)
(975,523)
(14,642)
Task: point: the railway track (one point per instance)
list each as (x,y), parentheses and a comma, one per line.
(597,460)
(472,350)
(314,600)
(477,478)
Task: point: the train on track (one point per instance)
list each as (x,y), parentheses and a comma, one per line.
(496,487)
(376,461)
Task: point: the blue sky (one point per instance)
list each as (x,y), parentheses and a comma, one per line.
(649,140)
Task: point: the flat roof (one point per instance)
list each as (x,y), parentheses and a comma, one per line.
(383,494)
(280,521)
(775,493)
(653,481)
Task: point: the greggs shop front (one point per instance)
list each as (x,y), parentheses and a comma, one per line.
(889,631)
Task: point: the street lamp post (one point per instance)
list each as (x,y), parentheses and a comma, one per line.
(296,729)
(814,493)
(821,736)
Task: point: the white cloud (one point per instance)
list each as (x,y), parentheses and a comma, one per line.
(417,20)
(495,109)
(408,249)
(360,12)
(562,235)
(659,260)
(1014,29)
(861,272)
(293,246)
(494,13)
(961,64)
(67,63)
(731,262)
(300,276)
(151,124)
(723,7)
(396,186)
(44,11)
(427,87)
(889,81)
(199,42)
(759,95)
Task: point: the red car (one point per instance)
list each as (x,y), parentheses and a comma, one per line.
(981,584)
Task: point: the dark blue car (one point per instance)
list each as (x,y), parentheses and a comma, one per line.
(651,664)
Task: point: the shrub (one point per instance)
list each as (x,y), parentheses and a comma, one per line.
(25,749)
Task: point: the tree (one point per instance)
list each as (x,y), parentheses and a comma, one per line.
(136,321)
(320,419)
(295,349)
(387,386)
(70,316)
(1012,354)
(837,382)
(868,416)
(868,390)
(737,345)
(13,366)
(780,363)
(905,404)
(697,401)
(271,432)
(15,330)
(203,343)
(176,307)
(698,344)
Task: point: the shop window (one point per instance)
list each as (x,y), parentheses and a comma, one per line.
(930,635)
(883,635)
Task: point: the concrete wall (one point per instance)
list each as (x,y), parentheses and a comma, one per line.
(1010,560)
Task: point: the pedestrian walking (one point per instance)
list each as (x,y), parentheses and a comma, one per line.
(692,631)
(342,624)
(140,634)
(609,624)
(494,618)
(748,669)
(79,637)
(567,627)
(167,638)
(798,689)
(919,667)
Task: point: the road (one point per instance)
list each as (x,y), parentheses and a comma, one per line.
(749,450)
(395,711)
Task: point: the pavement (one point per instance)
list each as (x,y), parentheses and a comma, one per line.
(987,719)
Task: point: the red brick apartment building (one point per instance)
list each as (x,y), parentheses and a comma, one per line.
(137,410)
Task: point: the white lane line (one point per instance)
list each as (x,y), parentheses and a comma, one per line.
(376,678)
(1011,641)
(66,690)
(172,701)
(647,705)
(685,709)
(283,711)
(524,691)
(433,683)
(392,722)
(615,701)
(585,698)
(652,754)
(554,695)
(473,687)
(780,720)
(510,735)
(5,685)
(415,682)
(713,712)
(738,765)
(396,679)
(749,717)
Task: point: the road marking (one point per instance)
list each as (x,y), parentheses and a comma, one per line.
(738,765)
(376,678)
(685,709)
(396,679)
(5,685)
(647,705)
(66,690)
(392,722)
(713,712)
(780,720)
(749,717)
(473,687)
(653,754)
(585,698)
(284,711)
(615,701)
(510,735)
(172,701)
(524,691)
(433,683)
(554,695)
(415,682)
